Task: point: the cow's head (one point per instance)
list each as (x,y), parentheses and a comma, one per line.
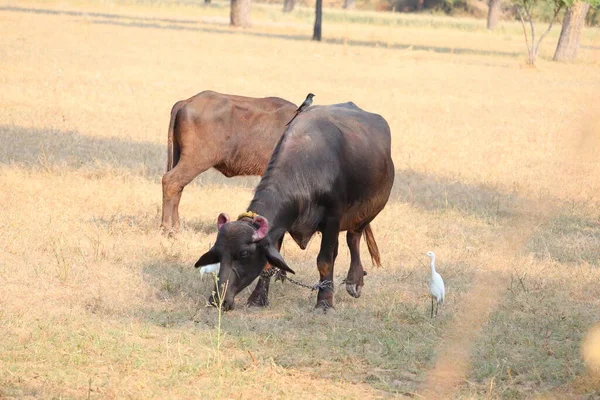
(243,248)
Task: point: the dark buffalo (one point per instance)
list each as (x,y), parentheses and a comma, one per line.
(331,171)
(234,134)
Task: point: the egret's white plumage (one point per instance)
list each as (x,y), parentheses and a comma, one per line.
(437,290)
(210,269)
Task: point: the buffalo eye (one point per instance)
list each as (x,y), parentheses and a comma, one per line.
(244,254)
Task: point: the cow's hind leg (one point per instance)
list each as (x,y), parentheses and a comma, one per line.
(325,262)
(354,280)
(173,183)
(260,294)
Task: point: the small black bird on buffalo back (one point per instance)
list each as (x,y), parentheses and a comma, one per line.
(307,103)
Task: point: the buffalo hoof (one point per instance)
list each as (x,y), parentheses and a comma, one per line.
(258,301)
(353,289)
(324,305)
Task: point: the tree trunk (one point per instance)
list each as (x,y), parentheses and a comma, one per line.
(349,4)
(493,14)
(318,18)
(240,13)
(288,5)
(420,5)
(530,49)
(593,17)
(568,42)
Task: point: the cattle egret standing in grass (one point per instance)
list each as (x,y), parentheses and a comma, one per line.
(436,286)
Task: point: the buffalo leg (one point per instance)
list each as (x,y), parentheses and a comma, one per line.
(325,261)
(173,183)
(335,250)
(354,280)
(260,294)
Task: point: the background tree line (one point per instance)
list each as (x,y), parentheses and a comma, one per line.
(572,14)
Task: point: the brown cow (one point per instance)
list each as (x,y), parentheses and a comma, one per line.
(234,134)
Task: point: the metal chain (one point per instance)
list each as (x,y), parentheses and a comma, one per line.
(269,272)
(326,284)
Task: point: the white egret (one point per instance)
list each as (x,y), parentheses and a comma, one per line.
(437,290)
(210,269)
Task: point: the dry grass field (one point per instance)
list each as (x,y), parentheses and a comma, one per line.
(497,171)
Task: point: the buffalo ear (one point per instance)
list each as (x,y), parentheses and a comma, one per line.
(210,257)
(262,228)
(275,259)
(222,220)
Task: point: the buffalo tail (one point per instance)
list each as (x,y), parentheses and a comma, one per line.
(372,246)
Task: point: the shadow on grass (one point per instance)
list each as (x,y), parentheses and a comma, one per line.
(19,390)
(202,226)
(146,222)
(104,15)
(431,192)
(567,238)
(564,231)
(363,340)
(193,25)
(50,149)
(181,292)
(531,343)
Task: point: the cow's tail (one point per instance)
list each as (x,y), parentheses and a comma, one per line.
(173,146)
(372,246)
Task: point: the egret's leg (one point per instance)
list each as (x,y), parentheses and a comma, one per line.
(432,307)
